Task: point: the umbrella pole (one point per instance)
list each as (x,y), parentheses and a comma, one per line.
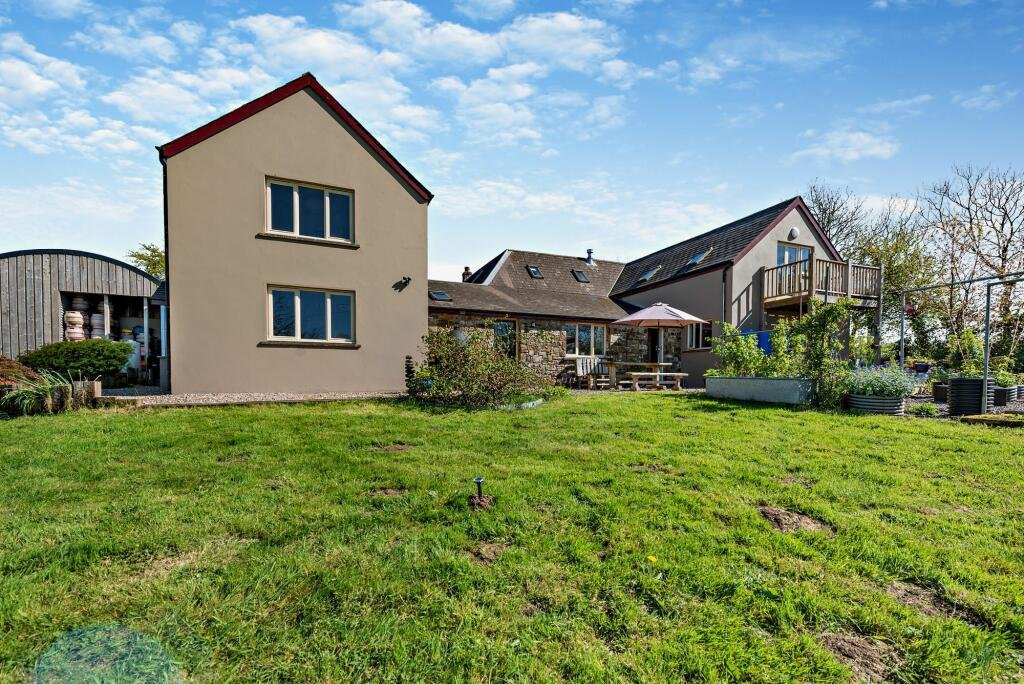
(661,351)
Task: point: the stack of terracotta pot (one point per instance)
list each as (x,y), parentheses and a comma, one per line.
(73,329)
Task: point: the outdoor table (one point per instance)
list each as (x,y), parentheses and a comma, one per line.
(651,366)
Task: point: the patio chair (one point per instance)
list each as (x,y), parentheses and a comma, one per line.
(591,372)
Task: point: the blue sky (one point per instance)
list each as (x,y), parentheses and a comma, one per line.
(621,125)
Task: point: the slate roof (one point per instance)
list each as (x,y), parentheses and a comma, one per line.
(510,269)
(548,303)
(725,243)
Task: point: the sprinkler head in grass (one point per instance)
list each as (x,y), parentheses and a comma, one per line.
(479,485)
(480,501)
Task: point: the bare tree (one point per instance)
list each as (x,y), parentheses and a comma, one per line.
(977,219)
(839,212)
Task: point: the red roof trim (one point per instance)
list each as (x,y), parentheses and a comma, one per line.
(798,204)
(307,80)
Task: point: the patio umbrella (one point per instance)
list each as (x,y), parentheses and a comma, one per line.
(660,316)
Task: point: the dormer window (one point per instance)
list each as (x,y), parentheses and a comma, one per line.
(439,296)
(580,276)
(649,273)
(698,257)
(534,272)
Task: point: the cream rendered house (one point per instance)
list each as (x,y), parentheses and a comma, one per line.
(296,251)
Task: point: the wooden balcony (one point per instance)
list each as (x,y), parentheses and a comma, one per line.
(792,285)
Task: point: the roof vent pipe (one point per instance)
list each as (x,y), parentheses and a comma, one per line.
(466,274)
(590,257)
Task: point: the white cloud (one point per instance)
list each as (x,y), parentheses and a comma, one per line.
(605,113)
(280,44)
(78,131)
(485,9)
(905,107)
(807,49)
(986,98)
(383,105)
(130,43)
(625,74)
(26,75)
(491,197)
(187,32)
(613,7)
(61,9)
(161,94)
(410,29)
(492,108)
(561,39)
(847,144)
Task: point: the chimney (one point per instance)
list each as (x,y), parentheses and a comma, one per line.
(590,257)
(466,274)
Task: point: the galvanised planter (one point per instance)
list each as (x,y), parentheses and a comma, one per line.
(965,396)
(767,390)
(889,406)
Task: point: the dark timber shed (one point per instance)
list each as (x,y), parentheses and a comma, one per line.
(36,288)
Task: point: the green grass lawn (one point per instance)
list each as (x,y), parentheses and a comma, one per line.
(625,542)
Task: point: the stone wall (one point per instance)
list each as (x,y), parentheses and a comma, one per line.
(542,342)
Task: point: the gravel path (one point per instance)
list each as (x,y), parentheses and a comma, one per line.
(249,398)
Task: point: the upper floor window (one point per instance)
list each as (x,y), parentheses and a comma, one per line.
(534,272)
(312,211)
(314,315)
(580,276)
(698,257)
(649,273)
(788,254)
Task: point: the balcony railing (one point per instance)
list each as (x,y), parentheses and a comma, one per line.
(821,279)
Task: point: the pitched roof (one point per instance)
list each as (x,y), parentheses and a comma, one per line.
(306,80)
(727,244)
(511,269)
(544,303)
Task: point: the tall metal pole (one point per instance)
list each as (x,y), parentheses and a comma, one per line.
(903,330)
(988,336)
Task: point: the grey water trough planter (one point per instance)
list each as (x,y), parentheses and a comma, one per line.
(890,406)
(965,396)
(767,390)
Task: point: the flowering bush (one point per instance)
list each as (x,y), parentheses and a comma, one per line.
(464,368)
(887,381)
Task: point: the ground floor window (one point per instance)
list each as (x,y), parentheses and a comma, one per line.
(585,339)
(505,338)
(698,336)
(315,315)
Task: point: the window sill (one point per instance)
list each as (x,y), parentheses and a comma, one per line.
(307,344)
(323,242)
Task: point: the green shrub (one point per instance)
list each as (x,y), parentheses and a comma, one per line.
(821,330)
(80,360)
(738,354)
(1005,378)
(465,369)
(12,372)
(924,410)
(887,381)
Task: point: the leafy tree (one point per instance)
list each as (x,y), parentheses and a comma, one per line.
(150,258)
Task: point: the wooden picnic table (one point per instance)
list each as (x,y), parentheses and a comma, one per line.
(656,379)
(651,366)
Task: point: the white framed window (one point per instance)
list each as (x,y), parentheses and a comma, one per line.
(698,336)
(585,339)
(310,211)
(310,315)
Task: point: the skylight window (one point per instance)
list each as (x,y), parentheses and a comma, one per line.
(440,296)
(698,257)
(649,273)
(534,272)
(580,276)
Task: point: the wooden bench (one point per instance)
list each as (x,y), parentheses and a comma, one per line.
(657,379)
(591,372)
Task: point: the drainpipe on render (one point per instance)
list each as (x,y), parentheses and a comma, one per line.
(725,294)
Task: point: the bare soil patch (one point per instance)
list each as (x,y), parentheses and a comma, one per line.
(796,480)
(481,503)
(790,521)
(397,446)
(929,603)
(488,552)
(387,491)
(651,468)
(869,659)
(161,567)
